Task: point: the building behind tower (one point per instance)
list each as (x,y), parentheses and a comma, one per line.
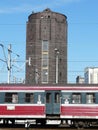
(46,48)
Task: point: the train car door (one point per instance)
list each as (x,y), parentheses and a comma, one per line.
(53,102)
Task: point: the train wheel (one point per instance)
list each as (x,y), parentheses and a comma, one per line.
(79,124)
(5,121)
(41,122)
(12,121)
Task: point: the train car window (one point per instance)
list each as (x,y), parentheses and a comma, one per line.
(90,98)
(29,97)
(11,97)
(14,98)
(57,98)
(48,97)
(66,99)
(76,98)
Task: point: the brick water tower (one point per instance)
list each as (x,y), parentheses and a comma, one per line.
(46,48)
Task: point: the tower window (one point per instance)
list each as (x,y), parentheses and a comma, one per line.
(48,16)
(45,75)
(45,54)
(45,59)
(45,46)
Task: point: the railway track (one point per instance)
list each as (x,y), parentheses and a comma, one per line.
(47,128)
(40,127)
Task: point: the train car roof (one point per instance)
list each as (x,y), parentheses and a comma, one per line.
(49,87)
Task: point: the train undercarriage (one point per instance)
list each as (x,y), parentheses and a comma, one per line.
(50,121)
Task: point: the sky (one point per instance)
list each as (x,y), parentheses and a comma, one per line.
(82,34)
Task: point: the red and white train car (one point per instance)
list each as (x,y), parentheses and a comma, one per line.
(21,102)
(75,103)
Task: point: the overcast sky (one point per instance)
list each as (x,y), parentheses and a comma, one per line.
(82,17)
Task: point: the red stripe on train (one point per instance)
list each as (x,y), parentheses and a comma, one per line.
(22,110)
(79,111)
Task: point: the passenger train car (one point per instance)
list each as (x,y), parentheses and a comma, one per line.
(77,104)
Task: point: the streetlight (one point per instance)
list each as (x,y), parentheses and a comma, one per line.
(57,65)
